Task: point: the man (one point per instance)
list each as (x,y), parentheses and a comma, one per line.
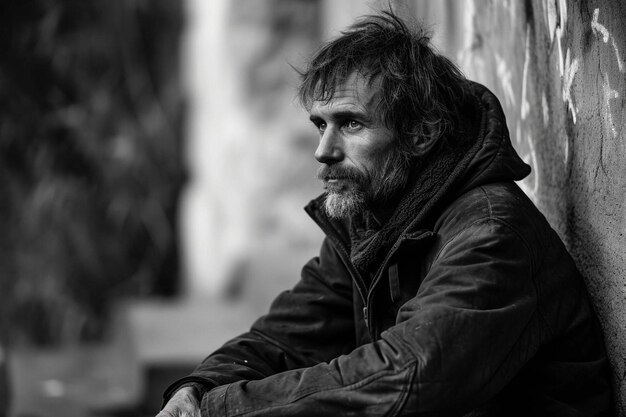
(439,289)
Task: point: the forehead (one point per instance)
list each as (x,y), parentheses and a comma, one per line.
(356,93)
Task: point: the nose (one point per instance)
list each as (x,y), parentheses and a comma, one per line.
(329,149)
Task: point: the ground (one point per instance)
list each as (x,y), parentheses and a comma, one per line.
(151,344)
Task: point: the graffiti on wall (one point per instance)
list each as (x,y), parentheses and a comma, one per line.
(558,69)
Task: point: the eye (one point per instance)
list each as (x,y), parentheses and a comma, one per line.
(320,125)
(352,125)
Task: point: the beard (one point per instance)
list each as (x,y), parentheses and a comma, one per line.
(356,191)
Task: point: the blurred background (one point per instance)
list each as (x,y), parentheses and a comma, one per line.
(154,163)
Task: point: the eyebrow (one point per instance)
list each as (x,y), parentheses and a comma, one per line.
(342,115)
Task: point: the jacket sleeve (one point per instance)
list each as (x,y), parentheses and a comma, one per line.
(467,332)
(312,323)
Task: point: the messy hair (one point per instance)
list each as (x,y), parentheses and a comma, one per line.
(420,90)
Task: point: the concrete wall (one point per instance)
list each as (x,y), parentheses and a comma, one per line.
(558,68)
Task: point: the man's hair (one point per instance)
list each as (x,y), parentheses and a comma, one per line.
(420,90)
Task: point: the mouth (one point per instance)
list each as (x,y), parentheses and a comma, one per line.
(336,180)
(335,184)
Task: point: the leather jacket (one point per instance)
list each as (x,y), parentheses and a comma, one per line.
(466,302)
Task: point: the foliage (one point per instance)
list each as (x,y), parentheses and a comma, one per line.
(90,161)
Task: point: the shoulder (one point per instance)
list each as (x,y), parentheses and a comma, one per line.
(502,206)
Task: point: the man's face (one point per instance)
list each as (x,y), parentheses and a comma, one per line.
(361,164)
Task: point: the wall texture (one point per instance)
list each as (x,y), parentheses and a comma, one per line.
(558,68)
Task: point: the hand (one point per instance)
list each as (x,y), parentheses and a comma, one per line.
(182,404)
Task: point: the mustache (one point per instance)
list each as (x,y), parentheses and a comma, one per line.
(326,172)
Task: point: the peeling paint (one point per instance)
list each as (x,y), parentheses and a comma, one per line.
(609,94)
(598,28)
(545,110)
(571,68)
(618,56)
(601,31)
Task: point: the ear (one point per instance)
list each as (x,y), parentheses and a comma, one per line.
(425,142)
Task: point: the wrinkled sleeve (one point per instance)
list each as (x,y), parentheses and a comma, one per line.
(468,331)
(309,324)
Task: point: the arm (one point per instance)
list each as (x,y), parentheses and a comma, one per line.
(468,331)
(311,323)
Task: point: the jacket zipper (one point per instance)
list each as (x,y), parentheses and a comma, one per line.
(384,266)
(356,277)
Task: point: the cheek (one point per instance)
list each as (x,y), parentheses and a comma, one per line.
(366,163)
(369,152)
(374,157)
